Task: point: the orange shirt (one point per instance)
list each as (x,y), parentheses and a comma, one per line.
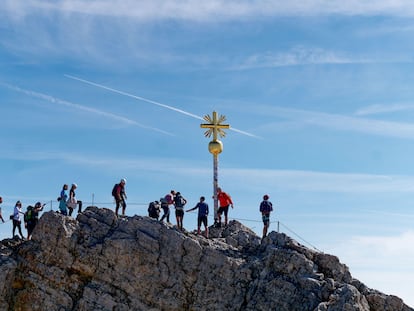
(224,199)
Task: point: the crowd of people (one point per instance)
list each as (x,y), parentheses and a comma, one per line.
(174,199)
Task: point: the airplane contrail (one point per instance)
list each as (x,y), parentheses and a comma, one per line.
(152,102)
(80,107)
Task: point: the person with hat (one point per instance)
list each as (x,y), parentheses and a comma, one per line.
(120,196)
(17,222)
(265,208)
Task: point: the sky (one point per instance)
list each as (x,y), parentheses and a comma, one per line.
(318,95)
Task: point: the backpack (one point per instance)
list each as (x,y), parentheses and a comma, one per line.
(29,214)
(179,201)
(154,209)
(266,207)
(114,189)
(164,203)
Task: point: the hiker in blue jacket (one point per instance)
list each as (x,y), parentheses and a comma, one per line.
(202,215)
(63,198)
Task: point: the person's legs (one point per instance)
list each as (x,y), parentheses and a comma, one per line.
(14,227)
(19,227)
(79,206)
(265,230)
(204,220)
(226,211)
(219,216)
(123,207)
(117,207)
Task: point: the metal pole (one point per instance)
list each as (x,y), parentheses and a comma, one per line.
(215,186)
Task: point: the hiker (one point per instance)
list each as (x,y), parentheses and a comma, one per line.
(118,192)
(17,223)
(224,203)
(154,210)
(63,198)
(1,217)
(72,201)
(179,202)
(31,217)
(166,201)
(265,208)
(202,215)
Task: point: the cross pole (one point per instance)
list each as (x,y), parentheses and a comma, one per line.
(215,126)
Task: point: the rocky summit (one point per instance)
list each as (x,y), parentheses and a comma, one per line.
(101,262)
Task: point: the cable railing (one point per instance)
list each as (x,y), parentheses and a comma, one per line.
(52,205)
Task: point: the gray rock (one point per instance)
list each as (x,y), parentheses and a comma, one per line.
(100,262)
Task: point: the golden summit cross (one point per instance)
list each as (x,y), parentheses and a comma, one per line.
(214,126)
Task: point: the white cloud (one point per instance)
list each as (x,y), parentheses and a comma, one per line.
(337,122)
(385,261)
(298,56)
(210,10)
(379,109)
(285,180)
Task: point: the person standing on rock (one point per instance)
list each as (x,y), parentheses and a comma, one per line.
(179,202)
(63,198)
(72,202)
(224,203)
(166,201)
(1,217)
(120,196)
(202,215)
(265,208)
(17,222)
(32,217)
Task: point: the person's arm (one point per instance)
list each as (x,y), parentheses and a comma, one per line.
(230,201)
(192,209)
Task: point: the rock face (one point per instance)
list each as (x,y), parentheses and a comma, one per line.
(99,262)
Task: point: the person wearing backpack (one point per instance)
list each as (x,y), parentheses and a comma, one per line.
(154,210)
(119,194)
(166,201)
(265,208)
(17,223)
(179,203)
(31,217)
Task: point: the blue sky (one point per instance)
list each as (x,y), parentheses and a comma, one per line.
(95,91)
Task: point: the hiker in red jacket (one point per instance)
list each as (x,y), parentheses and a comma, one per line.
(224,203)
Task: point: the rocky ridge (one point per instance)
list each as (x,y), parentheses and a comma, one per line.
(100,262)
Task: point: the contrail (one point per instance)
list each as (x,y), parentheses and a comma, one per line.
(80,107)
(152,102)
